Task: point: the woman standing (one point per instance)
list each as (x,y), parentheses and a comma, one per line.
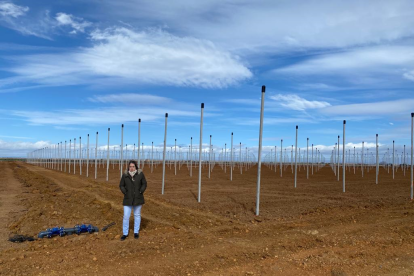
(132,185)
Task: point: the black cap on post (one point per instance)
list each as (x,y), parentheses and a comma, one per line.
(96,132)
(122,125)
(263,88)
(166,115)
(232,133)
(139,120)
(344,122)
(297,127)
(202,105)
(88,135)
(412,114)
(376,135)
(109,129)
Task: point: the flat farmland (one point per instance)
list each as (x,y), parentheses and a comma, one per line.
(314,229)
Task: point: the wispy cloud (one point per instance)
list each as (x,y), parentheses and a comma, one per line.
(131,99)
(374,108)
(77,24)
(15,137)
(409,75)
(101,116)
(153,57)
(15,17)
(358,64)
(277,25)
(296,102)
(12,10)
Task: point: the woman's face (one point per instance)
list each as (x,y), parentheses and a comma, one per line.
(132,167)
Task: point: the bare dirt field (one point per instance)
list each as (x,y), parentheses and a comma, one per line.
(314,229)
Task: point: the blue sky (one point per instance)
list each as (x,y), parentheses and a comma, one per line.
(72,68)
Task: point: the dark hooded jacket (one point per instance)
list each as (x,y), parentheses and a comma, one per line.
(133,188)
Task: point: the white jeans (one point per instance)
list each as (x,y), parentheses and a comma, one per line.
(137,218)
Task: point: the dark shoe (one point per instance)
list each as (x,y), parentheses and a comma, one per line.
(136,235)
(123,237)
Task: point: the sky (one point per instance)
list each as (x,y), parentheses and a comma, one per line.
(73,68)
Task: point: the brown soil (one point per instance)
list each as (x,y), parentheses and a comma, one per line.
(314,229)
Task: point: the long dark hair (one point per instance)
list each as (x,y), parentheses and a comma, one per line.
(129,163)
(132,162)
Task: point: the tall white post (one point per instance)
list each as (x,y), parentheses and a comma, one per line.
(107,157)
(200,153)
(281,157)
(87,158)
(231,158)
(74,155)
(393,159)
(338,160)
(343,159)
(80,155)
(70,153)
(152,157)
(65,156)
(307,158)
(164,153)
(312,160)
(259,165)
(404,161)
(240,160)
(139,143)
(377,160)
(225,158)
(296,153)
(96,156)
(412,135)
(191,157)
(175,157)
(209,158)
(121,156)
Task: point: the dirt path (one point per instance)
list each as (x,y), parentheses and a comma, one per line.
(10,207)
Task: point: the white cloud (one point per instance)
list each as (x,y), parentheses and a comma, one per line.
(376,108)
(101,116)
(130,98)
(275,25)
(78,24)
(153,56)
(295,102)
(409,75)
(358,63)
(15,137)
(23,145)
(10,9)
(42,26)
